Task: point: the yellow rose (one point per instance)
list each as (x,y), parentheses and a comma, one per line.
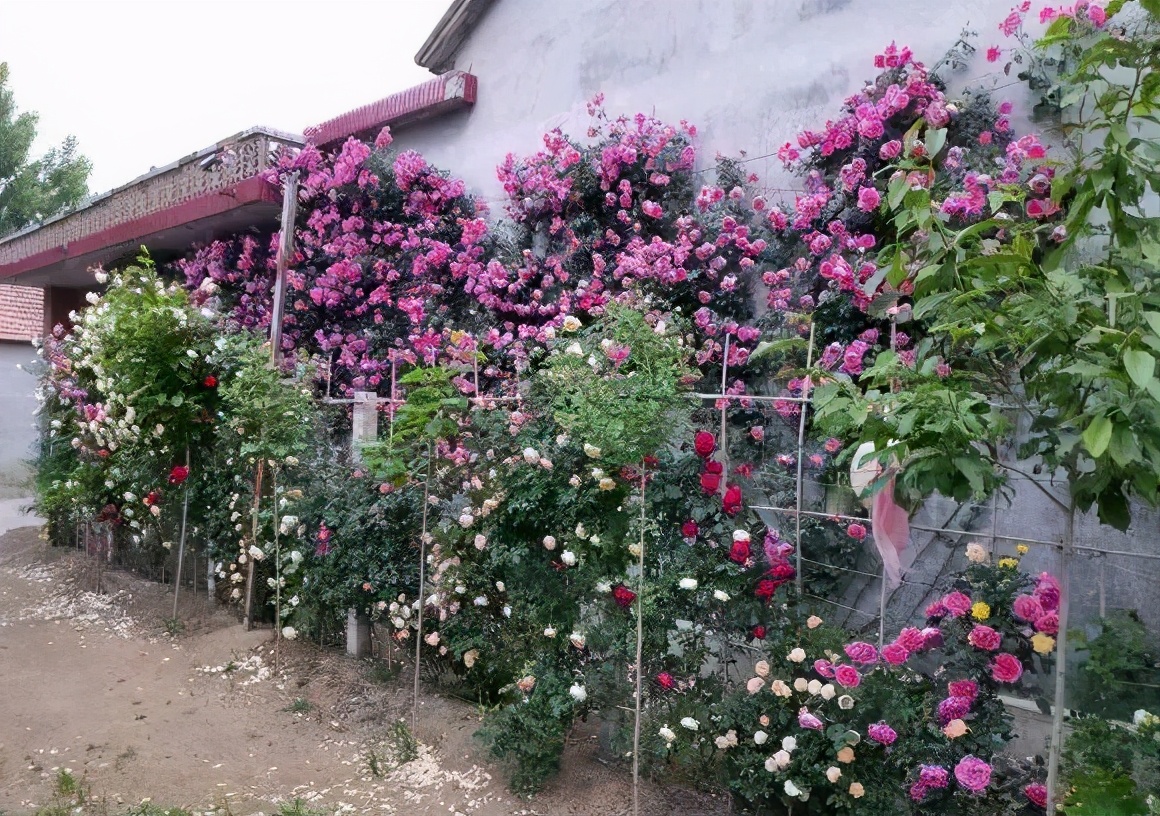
(1022,549)
(1008,563)
(981,611)
(1043,644)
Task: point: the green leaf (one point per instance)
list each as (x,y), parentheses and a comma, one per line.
(1097,436)
(177,400)
(1141,366)
(935,139)
(1153,318)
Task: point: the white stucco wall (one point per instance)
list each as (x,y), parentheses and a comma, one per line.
(17,417)
(748,73)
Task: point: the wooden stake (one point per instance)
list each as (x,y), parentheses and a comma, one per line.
(801,440)
(422,579)
(248,616)
(285,253)
(1054,789)
(639,648)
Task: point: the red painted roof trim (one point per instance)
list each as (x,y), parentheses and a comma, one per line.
(451,91)
(249,191)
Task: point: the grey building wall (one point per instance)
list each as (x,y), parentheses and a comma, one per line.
(749,74)
(17,417)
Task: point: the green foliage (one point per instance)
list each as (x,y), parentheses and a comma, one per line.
(1121,669)
(620,405)
(271,417)
(528,736)
(428,414)
(32,190)
(1110,769)
(1059,320)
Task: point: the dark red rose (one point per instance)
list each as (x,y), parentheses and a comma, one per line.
(714,467)
(623,596)
(739,553)
(759,632)
(153,498)
(765,589)
(782,572)
(210,381)
(666,681)
(704,443)
(744,470)
(689,529)
(731,501)
(710,483)
(178,475)
(651,461)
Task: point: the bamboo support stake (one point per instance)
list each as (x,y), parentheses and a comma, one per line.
(724,447)
(422,579)
(181,544)
(1054,789)
(798,580)
(639,650)
(249,613)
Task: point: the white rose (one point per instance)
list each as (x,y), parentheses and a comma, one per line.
(788,744)
(578,692)
(781,759)
(833,774)
(550,631)
(797,655)
(549,543)
(814,686)
(828,691)
(760,738)
(571,324)
(577,640)
(531,456)
(721,595)
(845,702)
(480,541)
(591,451)
(688,583)
(791,789)
(800,684)
(667,734)
(574,349)
(255,552)
(568,557)
(740,535)
(690,723)
(289,632)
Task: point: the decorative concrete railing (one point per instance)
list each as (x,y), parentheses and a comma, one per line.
(209,173)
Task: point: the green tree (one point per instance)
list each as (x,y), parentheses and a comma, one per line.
(34,189)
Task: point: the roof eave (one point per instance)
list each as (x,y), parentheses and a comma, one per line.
(438,51)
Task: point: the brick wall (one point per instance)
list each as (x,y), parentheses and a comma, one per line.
(21,313)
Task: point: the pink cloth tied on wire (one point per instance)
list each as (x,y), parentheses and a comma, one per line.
(889,523)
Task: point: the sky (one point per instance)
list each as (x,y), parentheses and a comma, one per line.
(142,83)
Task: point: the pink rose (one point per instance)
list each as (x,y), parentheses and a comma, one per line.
(1036,794)
(953,708)
(911,639)
(861,652)
(957,604)
(1028,608)
(825,668)
(868,199)
(857,531)
(882,733)
(808,720)
(1006,668)
(985,638)
(895,654)
(847,676)
(1048,623)
(973,774)
(963,688)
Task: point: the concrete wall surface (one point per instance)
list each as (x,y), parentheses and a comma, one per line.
(749,74)
(17,417)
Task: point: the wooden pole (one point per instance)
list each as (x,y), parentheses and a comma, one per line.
(1054,789)
(285,253)
(422,579)
(639,650)
(181,545)
(248,617)
(798,580)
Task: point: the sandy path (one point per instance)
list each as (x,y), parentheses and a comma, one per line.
(90,684)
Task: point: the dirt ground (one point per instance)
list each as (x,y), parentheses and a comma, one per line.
(205,720)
